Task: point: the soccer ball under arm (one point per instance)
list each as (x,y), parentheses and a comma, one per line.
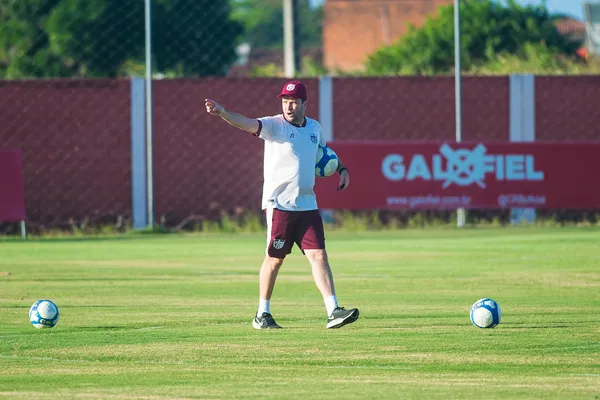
(327,162)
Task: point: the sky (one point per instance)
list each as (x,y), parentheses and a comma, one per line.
(573,8)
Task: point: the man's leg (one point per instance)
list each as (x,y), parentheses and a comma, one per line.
(336,316)
(268,274)
(312,243)
(321,271)
(279,244)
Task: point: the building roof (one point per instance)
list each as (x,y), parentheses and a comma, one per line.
(570,26)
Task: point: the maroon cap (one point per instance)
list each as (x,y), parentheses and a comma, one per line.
(294,89)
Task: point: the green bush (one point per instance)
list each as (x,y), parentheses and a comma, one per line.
(343,220)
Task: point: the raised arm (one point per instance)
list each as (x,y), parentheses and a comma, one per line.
(238,120)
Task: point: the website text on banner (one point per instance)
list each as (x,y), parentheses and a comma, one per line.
(439,175)
(12,203)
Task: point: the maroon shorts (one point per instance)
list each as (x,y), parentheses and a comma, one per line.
(284,228)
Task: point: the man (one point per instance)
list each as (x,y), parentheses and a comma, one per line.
(291,143)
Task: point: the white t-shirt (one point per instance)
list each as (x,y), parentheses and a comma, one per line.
(289,165)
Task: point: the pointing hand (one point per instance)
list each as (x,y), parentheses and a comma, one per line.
(214,108)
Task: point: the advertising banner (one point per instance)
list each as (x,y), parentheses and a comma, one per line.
(448,175)
(12,203)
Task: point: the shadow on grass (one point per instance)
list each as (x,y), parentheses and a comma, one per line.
(102,328)
(522,325)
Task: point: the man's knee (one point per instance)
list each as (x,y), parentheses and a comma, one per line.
(273,263)
(316,255)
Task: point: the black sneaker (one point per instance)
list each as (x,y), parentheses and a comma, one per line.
(340,317)
(265,321)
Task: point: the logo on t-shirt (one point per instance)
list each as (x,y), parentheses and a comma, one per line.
(313,138)
(278,243)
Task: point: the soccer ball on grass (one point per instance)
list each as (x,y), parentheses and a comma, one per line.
(327,162)
(485,313)
(44,314)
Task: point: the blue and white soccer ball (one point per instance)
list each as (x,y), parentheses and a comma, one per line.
(44,314)
(485,313)
(327,162)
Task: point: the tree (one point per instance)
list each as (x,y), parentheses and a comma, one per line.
(488,29)
(24,45)
(96,37)
(536,59)
(263,22)
(194,37)
(103,38)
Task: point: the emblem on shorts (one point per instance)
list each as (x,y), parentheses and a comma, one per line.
(278,243)
(313,138)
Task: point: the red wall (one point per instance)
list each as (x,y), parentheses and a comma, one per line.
(419,108)
(75,141)
(75,134)
(567,108)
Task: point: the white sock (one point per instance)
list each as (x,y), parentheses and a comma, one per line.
(330,303)
(264,306)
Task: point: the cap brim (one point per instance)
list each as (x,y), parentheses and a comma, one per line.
(289,95)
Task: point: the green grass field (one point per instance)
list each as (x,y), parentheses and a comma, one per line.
(153,317)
